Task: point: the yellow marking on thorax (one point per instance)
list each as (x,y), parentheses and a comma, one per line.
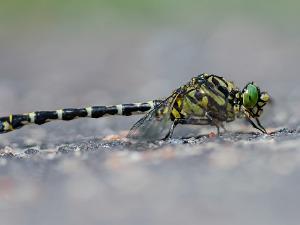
(175,113)
(179,102)
(187,106)
(220,101)
(190,108)
(204,102)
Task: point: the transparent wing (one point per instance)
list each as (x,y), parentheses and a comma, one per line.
(156,124)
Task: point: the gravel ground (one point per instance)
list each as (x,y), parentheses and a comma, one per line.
(75,173)
(244,178)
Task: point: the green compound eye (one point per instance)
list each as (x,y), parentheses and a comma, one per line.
(250,96)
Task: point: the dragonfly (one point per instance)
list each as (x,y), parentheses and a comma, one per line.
(207,99)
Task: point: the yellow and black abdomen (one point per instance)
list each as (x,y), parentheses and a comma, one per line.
(17,121)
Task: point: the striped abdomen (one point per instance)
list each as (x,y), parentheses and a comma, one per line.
(13,122)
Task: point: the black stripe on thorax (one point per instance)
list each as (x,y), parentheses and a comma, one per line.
(193,100)
(216,110)
(216,81)
(224,91)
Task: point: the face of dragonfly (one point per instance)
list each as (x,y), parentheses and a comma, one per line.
(253,102)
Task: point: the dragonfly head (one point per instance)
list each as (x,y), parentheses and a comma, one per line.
(253,101)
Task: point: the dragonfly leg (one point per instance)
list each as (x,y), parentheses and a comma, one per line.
(216,122)
(171,131)
(193,121)
(202,121)
(219,125)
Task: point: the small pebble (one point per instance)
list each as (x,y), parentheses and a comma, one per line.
(31,151)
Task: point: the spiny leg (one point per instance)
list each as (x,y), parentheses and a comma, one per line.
(261,126)
(171,130)
(201,121)
(216,122)
(195,121)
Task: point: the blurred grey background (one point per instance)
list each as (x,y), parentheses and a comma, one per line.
(58,53)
